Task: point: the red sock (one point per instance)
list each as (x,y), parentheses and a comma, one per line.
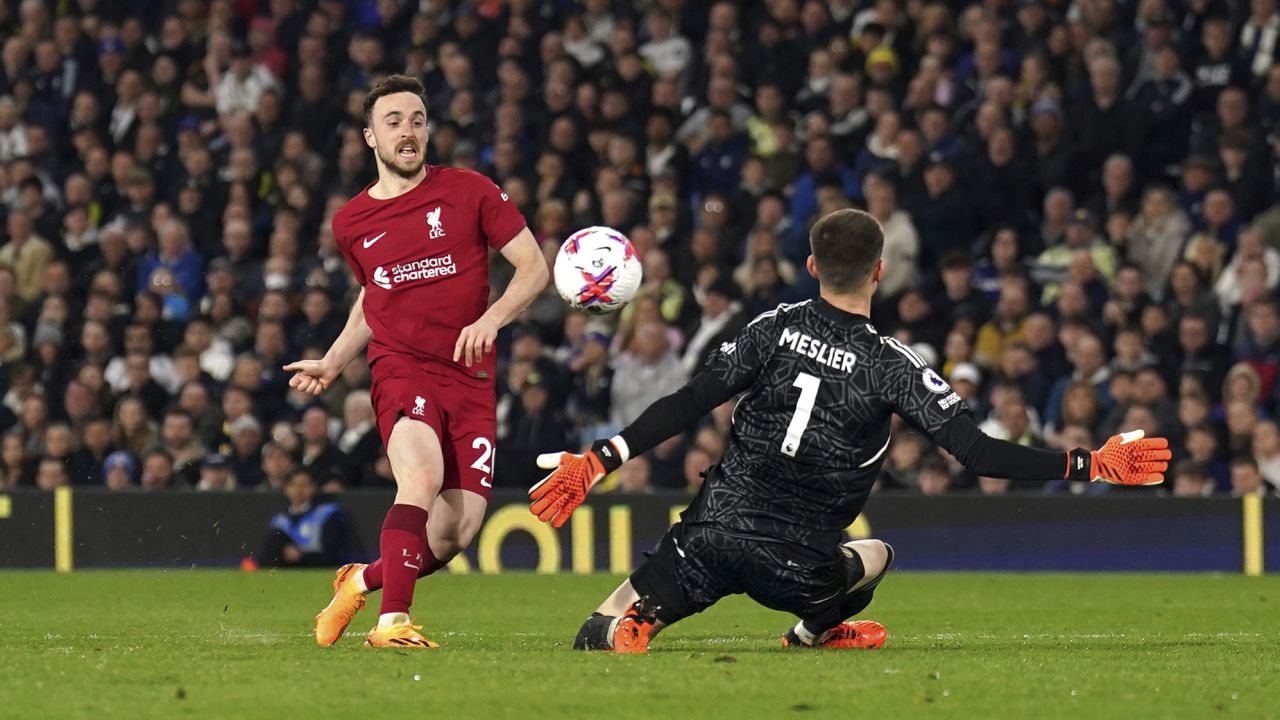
(403,544)
(373,571)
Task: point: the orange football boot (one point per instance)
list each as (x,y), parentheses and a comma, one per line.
(856,635)
(347,600)
(402,635)
(635,628)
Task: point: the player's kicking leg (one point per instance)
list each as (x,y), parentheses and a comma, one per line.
(868,561)
(456,516)
(417,463)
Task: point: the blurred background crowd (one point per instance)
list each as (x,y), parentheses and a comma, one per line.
(1077,199)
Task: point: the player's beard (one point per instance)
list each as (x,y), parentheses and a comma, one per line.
(400,166)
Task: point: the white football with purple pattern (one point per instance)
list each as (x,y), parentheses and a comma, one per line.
(597,270)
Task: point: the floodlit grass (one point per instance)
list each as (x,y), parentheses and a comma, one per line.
(221,644)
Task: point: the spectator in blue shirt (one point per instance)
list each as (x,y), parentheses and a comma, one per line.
(717,167)
(175,255)
(820,156)
(311,533)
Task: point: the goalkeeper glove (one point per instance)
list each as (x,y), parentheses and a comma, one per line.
(561,492)
(1126,459)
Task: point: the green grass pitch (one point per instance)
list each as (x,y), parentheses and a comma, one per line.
(222,644)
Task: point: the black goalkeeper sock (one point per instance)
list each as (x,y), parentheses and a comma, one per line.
(594,633)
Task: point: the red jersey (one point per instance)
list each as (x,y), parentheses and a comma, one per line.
(423,260)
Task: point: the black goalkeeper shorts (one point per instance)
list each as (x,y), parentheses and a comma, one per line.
(693,566)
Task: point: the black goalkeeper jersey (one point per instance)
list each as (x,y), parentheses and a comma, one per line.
(811,429)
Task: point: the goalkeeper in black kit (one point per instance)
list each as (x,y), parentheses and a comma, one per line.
(809,435)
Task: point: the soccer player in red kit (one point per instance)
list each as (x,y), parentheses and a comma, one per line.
(418,242)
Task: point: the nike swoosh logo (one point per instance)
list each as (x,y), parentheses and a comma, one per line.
(368,242)
(485,482)
(412,567)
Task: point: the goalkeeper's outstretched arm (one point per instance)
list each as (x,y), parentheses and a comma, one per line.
(1125,459)
(730,369)
(556,496)
(671,415)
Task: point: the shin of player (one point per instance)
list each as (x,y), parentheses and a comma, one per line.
(418,242)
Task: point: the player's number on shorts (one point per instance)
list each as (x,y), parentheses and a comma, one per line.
(486,451)
(808,385)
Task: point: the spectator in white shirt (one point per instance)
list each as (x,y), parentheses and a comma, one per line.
(137,339)
(668,52)
(1259,35)
(124,114)
(216,357)
(901,243)
(239,89)
(647,371)
(13,133)
(1266,451)
(720,321)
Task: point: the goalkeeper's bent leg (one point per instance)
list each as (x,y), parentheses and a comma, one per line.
(868,561)
(876,557)
(623,615)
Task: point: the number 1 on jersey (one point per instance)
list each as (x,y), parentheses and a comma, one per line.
(808,385)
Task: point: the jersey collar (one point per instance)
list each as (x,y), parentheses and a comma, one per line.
(840,317)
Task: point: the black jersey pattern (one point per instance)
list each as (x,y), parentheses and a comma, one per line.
(811,429)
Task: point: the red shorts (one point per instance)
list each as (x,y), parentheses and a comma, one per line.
(463,415)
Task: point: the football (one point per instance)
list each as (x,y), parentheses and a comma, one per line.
(597,270)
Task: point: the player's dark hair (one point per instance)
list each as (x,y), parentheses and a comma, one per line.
(846,246)
(391,85)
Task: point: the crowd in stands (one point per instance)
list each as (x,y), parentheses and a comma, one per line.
(1078,200)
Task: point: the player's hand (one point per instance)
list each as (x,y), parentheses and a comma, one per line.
(475,341)
(1126,459)
(312,376)
(572,476)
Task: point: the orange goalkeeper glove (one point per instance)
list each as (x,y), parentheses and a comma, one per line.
(560,493)
(1126,459)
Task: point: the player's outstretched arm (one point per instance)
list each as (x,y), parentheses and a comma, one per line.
(730,369)
(315,376)
(573,475)
(1126,459)
(476,340)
